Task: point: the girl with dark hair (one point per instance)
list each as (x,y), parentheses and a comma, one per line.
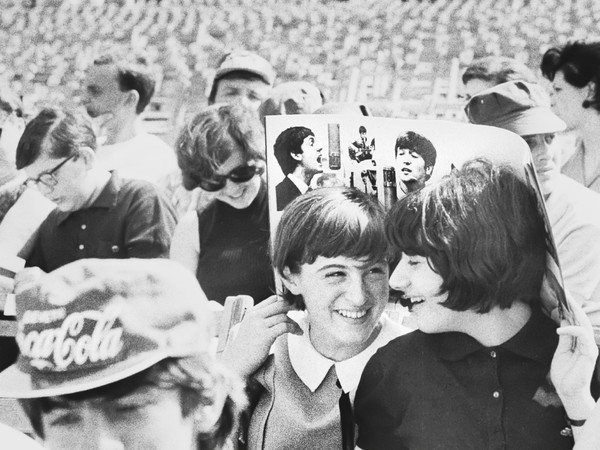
(574,71)
(470,255)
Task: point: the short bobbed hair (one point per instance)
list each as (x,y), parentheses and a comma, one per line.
(328,222)
(498,70)
(203,382)
(59,133)
(418,144)
(481,232)
(580,64)
(133,74)
(287,143)
(212,136)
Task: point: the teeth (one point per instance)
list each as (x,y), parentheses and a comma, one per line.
(352,314)
(409,302)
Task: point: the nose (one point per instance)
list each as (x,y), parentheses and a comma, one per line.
(45,190)
(398,279)
(232,189)
(357,291)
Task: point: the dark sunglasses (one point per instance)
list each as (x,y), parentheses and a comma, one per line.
(240,174)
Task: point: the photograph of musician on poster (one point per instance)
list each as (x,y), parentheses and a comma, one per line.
(305,152)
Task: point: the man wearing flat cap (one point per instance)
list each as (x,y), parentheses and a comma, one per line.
(524,109)
(243,77)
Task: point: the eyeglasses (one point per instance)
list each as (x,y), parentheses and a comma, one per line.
(240,174)
(48,178)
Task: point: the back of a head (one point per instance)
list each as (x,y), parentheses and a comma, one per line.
(58,132)
(498,69)
(133,73)
(292,97)
(212,135)
(352,109)
(481,230)
(328,222)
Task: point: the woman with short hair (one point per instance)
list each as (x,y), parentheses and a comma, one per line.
(331,254)
(221,151)
(574,71)
(470,255)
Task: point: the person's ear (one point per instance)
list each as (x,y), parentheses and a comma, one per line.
(88,156)
(132,98)
(428,171)
(296,156)
(290,281)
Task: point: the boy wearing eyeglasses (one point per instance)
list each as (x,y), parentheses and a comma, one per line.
(98,214)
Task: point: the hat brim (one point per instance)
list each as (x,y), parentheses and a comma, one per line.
(530,122)
(15,383)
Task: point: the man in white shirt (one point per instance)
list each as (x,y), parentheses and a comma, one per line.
(117,91)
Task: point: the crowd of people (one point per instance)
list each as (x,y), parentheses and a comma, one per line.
(354,51)
(121,251)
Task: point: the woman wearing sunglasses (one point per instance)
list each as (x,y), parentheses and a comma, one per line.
(221,151)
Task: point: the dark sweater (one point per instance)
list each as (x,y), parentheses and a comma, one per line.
(234,250)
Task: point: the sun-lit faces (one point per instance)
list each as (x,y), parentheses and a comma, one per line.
(421,284)
(148,418)
(567,100)
(410,166)
(102,93)
(344,299)
(543,158)
(70,190)
(250,93)
(311,158)
(237,195)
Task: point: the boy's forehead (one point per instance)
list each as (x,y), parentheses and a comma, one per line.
(103,397)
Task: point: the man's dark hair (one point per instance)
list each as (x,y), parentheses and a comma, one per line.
(59,132)
(480,230)
(498,69)
(362,129)
(418,144)
(133,75)
(288,142)
(580,64)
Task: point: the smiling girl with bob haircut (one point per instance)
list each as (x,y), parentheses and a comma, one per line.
(330,251)
(471,258)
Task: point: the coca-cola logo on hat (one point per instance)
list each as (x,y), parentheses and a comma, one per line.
(53,340)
